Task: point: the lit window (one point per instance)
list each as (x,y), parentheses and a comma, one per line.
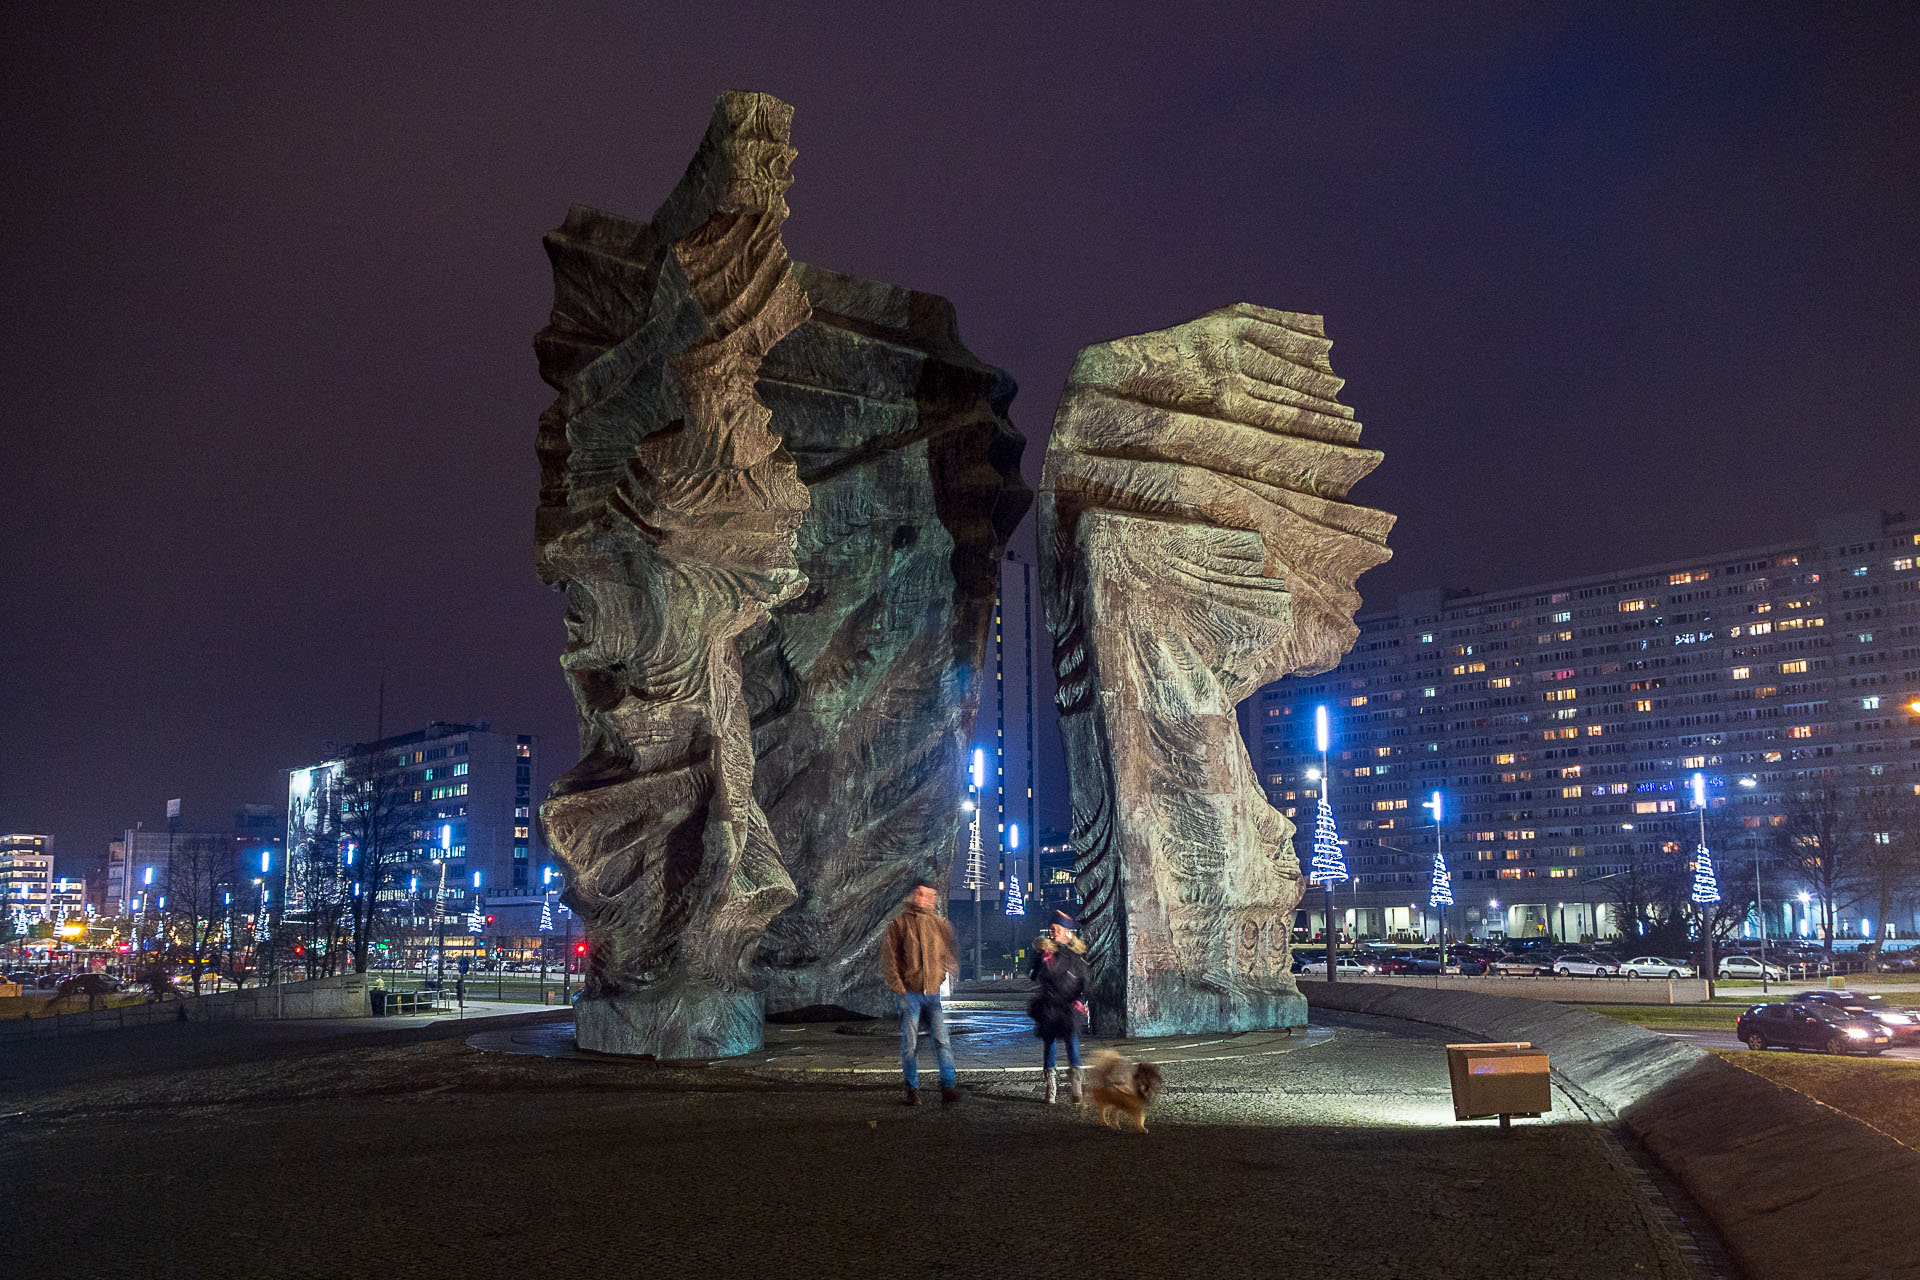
(1694,762)
(1860,571)
(1643,704)
(1563,617)
(1903,563)
(1741,673)
(1800,731)
(1426,637)
(1504,758)
(1500,682)
(1594,730)
(1632,606)
(1793,668)
(1360,701)
(1429,691)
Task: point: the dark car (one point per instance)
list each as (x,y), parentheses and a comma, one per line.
(48,981)
(88,984)
(1902,1024)
(1792,1025)
(22,977)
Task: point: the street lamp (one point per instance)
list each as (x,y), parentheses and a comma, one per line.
(1759,904)
(1328,868)
(1706,890)
(1440,888)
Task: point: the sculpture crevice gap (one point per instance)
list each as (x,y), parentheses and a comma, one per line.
(668,515)
(1195,544)
(866,689)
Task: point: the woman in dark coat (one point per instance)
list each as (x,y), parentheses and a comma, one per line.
(1057,1006)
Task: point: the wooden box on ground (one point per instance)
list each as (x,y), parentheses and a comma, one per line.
(1498,1080)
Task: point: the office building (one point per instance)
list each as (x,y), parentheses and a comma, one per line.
(1562,723)
(149,863)
(26,875)
(464,800)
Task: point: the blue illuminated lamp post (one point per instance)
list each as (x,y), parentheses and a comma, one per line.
(1016,904)
(1706,889)
(1328,867)
(440,905)
(1440,889)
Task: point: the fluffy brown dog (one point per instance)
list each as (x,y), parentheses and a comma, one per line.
(1116,1087)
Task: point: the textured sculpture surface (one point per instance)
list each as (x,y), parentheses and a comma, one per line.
(1194,545)
(668,515)
(864,688)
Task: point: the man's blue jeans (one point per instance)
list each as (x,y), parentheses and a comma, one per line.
(911,1004)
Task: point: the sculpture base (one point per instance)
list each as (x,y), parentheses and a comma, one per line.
(670,1023)
(1166,1006)
(805,995)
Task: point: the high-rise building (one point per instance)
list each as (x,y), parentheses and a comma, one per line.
(1562,723)
(26,874)
(1002,753)
(464,797)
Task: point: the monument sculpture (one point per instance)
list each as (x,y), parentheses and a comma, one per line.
(1194,545)
(668,515)
(864,688)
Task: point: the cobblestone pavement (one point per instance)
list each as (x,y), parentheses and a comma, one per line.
(248,1150)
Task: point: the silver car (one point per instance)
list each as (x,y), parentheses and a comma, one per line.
(1579,965)
(1656,967)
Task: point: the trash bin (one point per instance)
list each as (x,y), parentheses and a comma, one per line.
(378,997)
(1503,1080)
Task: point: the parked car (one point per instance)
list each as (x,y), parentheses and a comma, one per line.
(1656,967)
(23,977)
(1902,1024)
(1512,963)
(48,981)
(1794,1025)
(1899,962)
(1748,967)
(1345,967)
(1579,964)
(89,984)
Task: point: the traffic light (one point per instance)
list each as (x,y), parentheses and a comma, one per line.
(299,949)
(489,919)
(579,948)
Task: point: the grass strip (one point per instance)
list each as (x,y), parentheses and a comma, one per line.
(1882,1093)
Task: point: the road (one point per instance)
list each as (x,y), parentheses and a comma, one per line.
(1725,1040)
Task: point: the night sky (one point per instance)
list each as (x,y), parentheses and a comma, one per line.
(1609,284)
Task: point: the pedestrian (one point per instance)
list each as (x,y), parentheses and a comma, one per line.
(919,950)
(1057,1007)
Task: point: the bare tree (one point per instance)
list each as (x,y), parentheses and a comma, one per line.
(200,871)
(1817,835)
(1886,858)
(316,921)
(374,826)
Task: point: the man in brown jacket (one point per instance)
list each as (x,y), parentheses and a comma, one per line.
(919,951)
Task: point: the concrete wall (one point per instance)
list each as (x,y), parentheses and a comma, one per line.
(1578,990)
(1795,1187)
(344,996)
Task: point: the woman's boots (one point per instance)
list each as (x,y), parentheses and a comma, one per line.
(1073,1084)
(1053,1091)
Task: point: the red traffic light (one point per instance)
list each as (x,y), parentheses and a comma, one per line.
(489,919)
(579,948)
(299,950)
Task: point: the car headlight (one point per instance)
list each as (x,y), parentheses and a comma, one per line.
(1856,1033)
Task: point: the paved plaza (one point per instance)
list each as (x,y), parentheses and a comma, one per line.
(464,1149)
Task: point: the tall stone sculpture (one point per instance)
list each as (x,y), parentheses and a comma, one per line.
(865,688)
(1194,545)
(668,515)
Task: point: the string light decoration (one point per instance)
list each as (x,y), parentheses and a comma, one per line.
(1706,889)
(1016,904)
(475,922)
(1440,894)
(1328,866)
(546,915)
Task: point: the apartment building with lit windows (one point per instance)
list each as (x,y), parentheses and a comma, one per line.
(466,799)
(26,875)
(1563,721)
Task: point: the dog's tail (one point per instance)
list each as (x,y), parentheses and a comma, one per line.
(1148,1082)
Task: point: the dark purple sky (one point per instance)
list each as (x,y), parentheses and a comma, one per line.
(1609,284)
